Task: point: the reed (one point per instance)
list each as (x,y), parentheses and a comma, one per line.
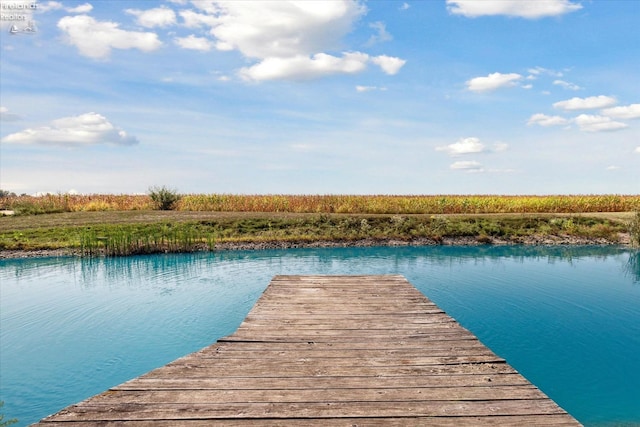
(123,241)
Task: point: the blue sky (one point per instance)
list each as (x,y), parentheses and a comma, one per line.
(320,97)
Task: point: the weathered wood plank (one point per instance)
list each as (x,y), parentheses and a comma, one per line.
(330,351)
(317,409)
(364,322)
(328,334)
(188,371)
(345,363)
(404,421)
(418,344)
(351,353)
(372,339)
(354,395)
(156,382)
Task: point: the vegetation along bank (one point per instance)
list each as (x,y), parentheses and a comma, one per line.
(111,225)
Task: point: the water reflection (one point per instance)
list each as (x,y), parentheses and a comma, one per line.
(144,270)
(632,267)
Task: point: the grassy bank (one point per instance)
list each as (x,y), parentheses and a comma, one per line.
(128,224)
(127,232)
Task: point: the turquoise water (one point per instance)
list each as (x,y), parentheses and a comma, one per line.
(568,318)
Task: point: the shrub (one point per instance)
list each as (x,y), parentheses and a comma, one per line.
(164,198)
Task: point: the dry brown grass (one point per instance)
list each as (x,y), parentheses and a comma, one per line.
(351,204)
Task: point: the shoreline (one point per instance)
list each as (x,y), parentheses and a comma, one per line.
(546,240)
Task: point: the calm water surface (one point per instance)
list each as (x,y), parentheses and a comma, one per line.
(567,318)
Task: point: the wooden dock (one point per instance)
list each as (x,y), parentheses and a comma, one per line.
(330,351)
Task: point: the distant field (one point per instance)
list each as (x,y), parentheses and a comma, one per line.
(348,204)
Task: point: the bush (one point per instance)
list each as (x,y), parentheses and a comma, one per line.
(164,198)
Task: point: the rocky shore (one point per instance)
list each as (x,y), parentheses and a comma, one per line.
(541,240)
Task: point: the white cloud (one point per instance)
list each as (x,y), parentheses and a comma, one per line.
(302,67)
(593,123)
(519,8)
(195,20)
(529,86)
(637,150)
(589,103)
(467,165)
(49,6)
(56,5)
(492,82)
(566,85)
(544,120)
(623,112)
(263,29)
(85,129)
(537,71)
(369,88)
(83,8)
(404,6)
(95,39)
(390,65)
(157,17)
(289,40)
(210,6)
(6,116)
(463,146)
(381,33)
(194,43)
(613,168)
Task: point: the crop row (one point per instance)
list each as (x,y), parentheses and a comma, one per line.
(353,204)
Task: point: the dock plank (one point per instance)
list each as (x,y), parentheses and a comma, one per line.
(330,350)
